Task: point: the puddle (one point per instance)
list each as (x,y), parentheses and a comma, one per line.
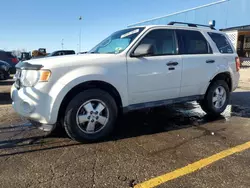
(147,122)
(236,110)
(172,117)
(193,109)
(179,116)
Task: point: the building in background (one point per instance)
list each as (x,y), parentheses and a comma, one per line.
(231,16)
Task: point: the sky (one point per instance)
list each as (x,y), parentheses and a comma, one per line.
(33,24)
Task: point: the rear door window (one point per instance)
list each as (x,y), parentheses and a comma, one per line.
(192,42)
(221,42)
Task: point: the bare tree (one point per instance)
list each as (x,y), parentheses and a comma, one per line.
(18,52)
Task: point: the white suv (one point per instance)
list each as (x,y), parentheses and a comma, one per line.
(134,68)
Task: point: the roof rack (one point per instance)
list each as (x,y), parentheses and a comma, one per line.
(211,24)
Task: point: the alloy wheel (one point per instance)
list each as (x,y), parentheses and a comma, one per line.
(92,116)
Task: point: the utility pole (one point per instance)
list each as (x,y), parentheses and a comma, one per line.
(62,44)
(80,34)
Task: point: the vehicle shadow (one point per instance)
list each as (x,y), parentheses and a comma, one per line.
(32,144)
(241,98)
(133,124)
(160,120)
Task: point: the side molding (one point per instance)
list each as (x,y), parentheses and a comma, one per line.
(162,103)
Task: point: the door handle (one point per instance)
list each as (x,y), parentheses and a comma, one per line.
(210,61)
(171,63)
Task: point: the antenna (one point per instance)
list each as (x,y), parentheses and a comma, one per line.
(62,44)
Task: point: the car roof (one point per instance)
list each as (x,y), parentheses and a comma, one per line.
(207,29)
(64,51)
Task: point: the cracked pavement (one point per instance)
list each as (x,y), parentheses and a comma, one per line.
(145,144)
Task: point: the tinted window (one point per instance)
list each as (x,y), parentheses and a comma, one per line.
(163,41)
(192,42)
(69,52)
(9,55)
(61,53)
(221,42)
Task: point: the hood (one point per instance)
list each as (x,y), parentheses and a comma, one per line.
(70,60)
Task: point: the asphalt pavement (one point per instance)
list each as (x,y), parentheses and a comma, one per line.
(145,145)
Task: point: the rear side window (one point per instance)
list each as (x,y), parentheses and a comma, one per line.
(192,42)
(60,53)
(69,52)
(221,42)
(10,55)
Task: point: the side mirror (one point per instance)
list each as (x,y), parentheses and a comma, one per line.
(143,50)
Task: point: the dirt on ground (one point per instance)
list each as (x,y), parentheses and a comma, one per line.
(244,79)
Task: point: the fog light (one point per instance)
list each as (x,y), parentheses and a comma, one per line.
(27,107)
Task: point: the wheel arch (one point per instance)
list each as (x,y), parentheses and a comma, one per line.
(109,88)
(226,76)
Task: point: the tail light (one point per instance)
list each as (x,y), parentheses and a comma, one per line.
(237,63)
(14,60)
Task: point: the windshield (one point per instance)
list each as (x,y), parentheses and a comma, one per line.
(117,42)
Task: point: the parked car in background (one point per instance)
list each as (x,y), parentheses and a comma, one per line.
(25,56)
(61,52)
(9,58)
(4,70)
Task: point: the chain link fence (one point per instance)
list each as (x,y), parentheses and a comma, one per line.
(245,62)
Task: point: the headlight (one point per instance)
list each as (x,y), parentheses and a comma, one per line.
(29,78)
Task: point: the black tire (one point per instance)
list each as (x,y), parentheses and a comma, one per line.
(70,120)
(207,104)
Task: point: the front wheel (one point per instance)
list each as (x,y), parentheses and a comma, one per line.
(90,115)
(216,99)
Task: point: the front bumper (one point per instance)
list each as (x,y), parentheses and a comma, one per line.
(32,104)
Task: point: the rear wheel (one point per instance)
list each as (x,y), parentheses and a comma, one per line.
(216,99)
(91,115)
